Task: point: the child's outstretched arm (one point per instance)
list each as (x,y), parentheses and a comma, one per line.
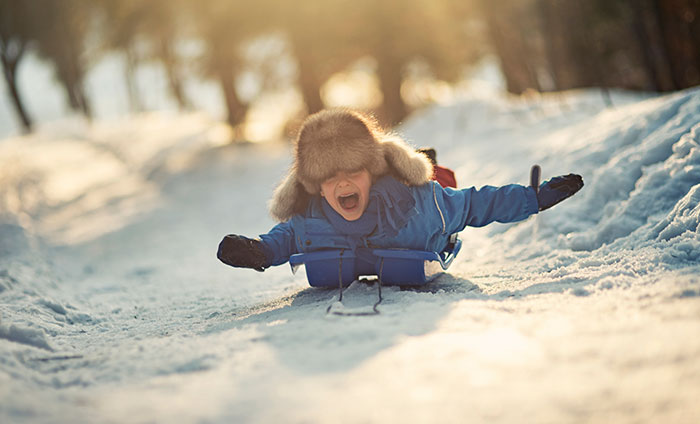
(479,207)
(273,248)
(510,203)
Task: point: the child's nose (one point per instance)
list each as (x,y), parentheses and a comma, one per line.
(343,178)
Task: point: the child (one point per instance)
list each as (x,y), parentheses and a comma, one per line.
(353,185)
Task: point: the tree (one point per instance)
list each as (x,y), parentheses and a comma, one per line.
(397,32)
(322,36)
(633,44)
(224,26)
(679,25)
(161,23)
(143,30)
(15,23)
(328,36)
(61,30)
(513,33)
(120,23)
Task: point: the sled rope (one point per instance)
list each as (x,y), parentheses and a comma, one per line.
(340,276)
(375,311)
(379,287)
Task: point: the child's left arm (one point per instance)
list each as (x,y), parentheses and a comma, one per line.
(478,207)
(510,203)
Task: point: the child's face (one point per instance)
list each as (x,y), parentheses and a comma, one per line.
(348,193)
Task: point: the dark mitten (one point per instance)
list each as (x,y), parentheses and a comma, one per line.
(557,189)
(242,252)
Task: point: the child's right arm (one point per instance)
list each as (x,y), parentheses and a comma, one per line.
(273,248)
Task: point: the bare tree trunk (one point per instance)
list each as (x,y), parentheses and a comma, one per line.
(676,74)
(67,83)
(236,109)
(74,74)
(645,47)
(590,63)
(76,94)
(174,80)
(11,54)
(135,103)
(389,71)
(680,45)
(79,87)
(84,102)
(309,84)
(646,28)
(548,19)
(509,46)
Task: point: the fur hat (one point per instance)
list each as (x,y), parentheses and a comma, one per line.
(343,140)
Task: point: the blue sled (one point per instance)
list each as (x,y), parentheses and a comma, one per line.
(397,267)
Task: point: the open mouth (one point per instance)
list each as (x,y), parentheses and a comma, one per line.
(349,201)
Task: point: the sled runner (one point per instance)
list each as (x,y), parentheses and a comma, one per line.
(398,267)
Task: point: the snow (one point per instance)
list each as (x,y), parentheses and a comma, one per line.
(113,307)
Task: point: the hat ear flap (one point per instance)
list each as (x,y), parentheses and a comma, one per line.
(412,167)
(289,198)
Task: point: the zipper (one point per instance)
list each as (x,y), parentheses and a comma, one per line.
(442,217)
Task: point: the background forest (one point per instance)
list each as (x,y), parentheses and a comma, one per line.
(407,51)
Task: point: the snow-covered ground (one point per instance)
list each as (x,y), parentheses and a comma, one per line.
(114,308)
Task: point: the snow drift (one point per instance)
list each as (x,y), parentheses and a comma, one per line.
(113,307)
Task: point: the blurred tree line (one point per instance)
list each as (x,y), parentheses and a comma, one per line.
(542,45)
(547,45)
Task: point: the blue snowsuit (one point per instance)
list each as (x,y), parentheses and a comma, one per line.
(418,218)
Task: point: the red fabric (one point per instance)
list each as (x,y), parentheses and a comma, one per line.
(444,176)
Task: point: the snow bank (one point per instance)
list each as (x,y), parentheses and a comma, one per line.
(653,165)
(640,162)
